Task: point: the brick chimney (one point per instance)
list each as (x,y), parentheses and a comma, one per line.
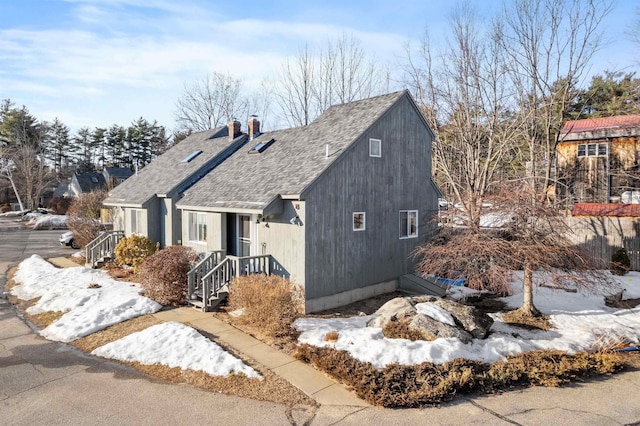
(254,127)
(234,129)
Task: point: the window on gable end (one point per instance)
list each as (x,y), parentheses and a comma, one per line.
(375,147)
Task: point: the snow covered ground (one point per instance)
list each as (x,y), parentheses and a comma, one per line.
(580,321)
(92,301)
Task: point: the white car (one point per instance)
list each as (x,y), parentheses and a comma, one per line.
(68,239)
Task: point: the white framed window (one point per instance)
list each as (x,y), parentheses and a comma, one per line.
(136,221)
(408,224)
(593,150)
(375,148)
(359,221)
(197,223)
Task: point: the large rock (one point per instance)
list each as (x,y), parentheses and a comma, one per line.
(433,329)
(470,318)
(394,310)
(469,321)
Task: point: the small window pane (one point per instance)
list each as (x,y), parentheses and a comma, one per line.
(602,149)
(375,148)
(582,150)
(359,221)
(591,150)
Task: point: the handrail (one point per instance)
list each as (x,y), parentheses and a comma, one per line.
(231,266)
(245,265)
(102,246)
(194,276)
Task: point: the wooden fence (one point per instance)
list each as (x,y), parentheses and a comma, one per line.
(602,236)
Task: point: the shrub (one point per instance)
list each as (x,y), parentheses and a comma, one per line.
(620,263)
(269,303)
(133,250)
(83,216)
(163,275)
(60,205)
(416,385)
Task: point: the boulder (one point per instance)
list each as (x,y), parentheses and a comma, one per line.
(394,310)
(433,329)
(470,318)
(470,322)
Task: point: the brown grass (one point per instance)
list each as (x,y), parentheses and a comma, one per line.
(44,319)
(331,336)
(517,318)
(114,332)
(400,330)
(427,383)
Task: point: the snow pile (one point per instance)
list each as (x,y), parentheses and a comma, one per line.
(87,310)
(175,345)
(580,321)
(50,221)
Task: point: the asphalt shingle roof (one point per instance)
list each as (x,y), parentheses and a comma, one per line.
(291,163)
(90,181)
(168,171)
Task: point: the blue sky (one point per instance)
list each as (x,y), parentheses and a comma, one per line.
(103,62)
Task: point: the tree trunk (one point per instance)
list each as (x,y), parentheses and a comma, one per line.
(528,308)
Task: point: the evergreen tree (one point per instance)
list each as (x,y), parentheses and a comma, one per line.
(84,145)
(99,144)
(614,93)
(115,139)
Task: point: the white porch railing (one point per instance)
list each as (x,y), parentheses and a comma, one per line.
(205,292)
(102,247)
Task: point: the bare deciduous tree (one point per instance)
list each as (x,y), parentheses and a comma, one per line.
(531,238)
(467,104)
(210,102)
(550,44)
(338,72)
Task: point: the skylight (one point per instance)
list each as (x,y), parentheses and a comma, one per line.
(191,156)
(94,179)
(260,146)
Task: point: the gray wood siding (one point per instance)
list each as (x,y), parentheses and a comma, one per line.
(339,259)
(285,241)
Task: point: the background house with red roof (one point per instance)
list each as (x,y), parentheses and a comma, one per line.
(597,159)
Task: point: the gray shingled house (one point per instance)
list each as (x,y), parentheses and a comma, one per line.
(337,206)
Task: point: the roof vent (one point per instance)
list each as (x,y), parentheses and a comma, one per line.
(261,146)
(191,156)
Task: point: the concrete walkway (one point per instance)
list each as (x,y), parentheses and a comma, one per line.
(306,378)
(312,382)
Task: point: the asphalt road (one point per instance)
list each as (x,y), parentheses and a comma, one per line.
(43,382)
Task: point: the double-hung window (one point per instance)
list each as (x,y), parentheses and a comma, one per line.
(136,221)
(408,224)
(198,227)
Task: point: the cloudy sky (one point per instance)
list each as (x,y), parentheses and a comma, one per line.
(103,62)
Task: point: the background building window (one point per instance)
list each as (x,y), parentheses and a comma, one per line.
(408,224)
(592,150)
(359,221)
